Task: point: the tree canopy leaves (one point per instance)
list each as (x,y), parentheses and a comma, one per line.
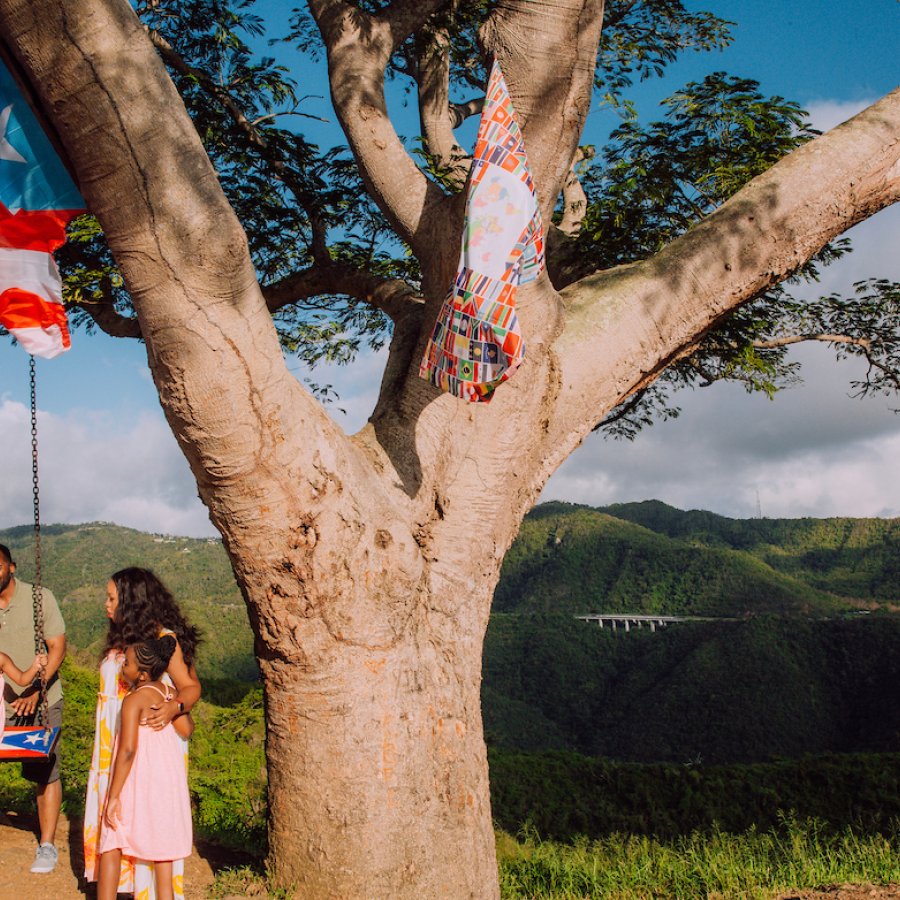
(309,219)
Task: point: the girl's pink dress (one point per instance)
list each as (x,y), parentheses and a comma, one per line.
(155,804)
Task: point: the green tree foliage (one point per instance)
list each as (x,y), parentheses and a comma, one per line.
(563,795)
(726,692)
(312,228)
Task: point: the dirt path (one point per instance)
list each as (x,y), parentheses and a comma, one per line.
(17,846)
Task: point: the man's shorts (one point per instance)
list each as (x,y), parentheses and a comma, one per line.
(41,771)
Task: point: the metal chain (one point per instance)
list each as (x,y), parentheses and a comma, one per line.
(36,590)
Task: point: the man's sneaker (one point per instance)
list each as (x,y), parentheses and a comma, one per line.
(45,858)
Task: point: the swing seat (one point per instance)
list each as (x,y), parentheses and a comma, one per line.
(24,742)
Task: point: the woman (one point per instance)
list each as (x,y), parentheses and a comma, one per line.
(139,608)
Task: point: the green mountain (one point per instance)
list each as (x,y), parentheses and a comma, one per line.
(857,558)
(793,665)
(577,560)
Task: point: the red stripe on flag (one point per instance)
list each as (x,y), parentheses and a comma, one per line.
(22,309)
(34,229)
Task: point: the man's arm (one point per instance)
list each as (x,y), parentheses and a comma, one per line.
(27,703)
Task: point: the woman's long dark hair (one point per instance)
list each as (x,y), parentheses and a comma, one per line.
(145,606)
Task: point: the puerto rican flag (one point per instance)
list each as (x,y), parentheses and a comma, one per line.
(37,200)
(33,742)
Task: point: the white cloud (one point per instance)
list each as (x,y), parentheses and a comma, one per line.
(357,386)
(95,467)
(826,114)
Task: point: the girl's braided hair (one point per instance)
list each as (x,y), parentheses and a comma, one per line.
(146,606)
(153,656)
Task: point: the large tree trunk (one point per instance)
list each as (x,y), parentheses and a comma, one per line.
(378,776)
(368,563)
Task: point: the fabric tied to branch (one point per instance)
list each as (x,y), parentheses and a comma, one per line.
(37,200)
(477,342)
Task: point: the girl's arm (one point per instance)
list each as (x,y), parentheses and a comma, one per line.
(132,707)
(23,679)
(187,692)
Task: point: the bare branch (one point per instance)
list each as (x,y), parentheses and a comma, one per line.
(866,345)
(784,341)
(359,47)
(109,320)
(433,79)
(573,196)
(459,112)
(404,17)
(635,320)
(550,79)
(391,295)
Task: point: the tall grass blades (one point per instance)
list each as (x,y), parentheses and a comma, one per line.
(712,864)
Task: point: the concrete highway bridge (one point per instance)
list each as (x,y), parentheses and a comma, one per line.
(634,620)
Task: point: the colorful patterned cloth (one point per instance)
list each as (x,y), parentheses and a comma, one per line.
(136,875)
(477,343)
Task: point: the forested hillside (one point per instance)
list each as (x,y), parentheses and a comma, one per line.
(745,691)
(848,557)
(649,557)
(800,666)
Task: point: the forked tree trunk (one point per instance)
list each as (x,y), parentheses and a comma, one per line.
(368,563)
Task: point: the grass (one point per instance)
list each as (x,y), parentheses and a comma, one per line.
(749,866)
(716,865)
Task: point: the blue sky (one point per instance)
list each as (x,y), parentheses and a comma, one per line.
(107,454)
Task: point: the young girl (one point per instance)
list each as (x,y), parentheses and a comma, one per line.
(23,679)
(147,813)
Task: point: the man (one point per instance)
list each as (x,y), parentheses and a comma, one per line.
(22,704)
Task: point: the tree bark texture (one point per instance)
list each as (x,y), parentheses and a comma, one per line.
(368,562)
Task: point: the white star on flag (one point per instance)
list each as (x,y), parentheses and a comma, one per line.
(7,151)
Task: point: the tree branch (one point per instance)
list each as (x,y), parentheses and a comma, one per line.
(626,325)
(549,70)
(404,17)
(392,296)
(248,430)
(359,47)
(573,196)
(866,345)
(109,321)
(433,80)
(459,112)
(784,341)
